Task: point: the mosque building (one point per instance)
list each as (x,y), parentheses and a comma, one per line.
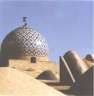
(26,51)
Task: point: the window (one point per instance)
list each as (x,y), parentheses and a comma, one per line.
(33,59)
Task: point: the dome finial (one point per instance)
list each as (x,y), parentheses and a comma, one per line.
(24,21)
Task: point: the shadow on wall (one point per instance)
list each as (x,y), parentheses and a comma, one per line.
(3,61)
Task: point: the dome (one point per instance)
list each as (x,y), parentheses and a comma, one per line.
(24,41)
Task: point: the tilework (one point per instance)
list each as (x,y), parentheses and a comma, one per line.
(30,42)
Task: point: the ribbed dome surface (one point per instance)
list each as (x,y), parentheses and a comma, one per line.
(24,41)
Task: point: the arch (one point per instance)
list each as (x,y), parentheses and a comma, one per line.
(47,75)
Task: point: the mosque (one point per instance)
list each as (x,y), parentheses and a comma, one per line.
(25,51)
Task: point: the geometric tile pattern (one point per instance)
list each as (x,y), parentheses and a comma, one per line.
(30,42)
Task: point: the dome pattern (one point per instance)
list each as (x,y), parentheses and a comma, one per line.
(25,41)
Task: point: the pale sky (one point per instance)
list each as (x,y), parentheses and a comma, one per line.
(65,24)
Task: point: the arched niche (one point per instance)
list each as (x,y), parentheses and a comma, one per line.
(47,75)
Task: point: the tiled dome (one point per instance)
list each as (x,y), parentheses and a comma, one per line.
(24,41)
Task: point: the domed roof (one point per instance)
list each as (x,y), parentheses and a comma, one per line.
(24,41)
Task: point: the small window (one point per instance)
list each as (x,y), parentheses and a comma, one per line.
(33,59)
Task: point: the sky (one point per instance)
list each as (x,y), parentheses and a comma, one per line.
(67,25)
